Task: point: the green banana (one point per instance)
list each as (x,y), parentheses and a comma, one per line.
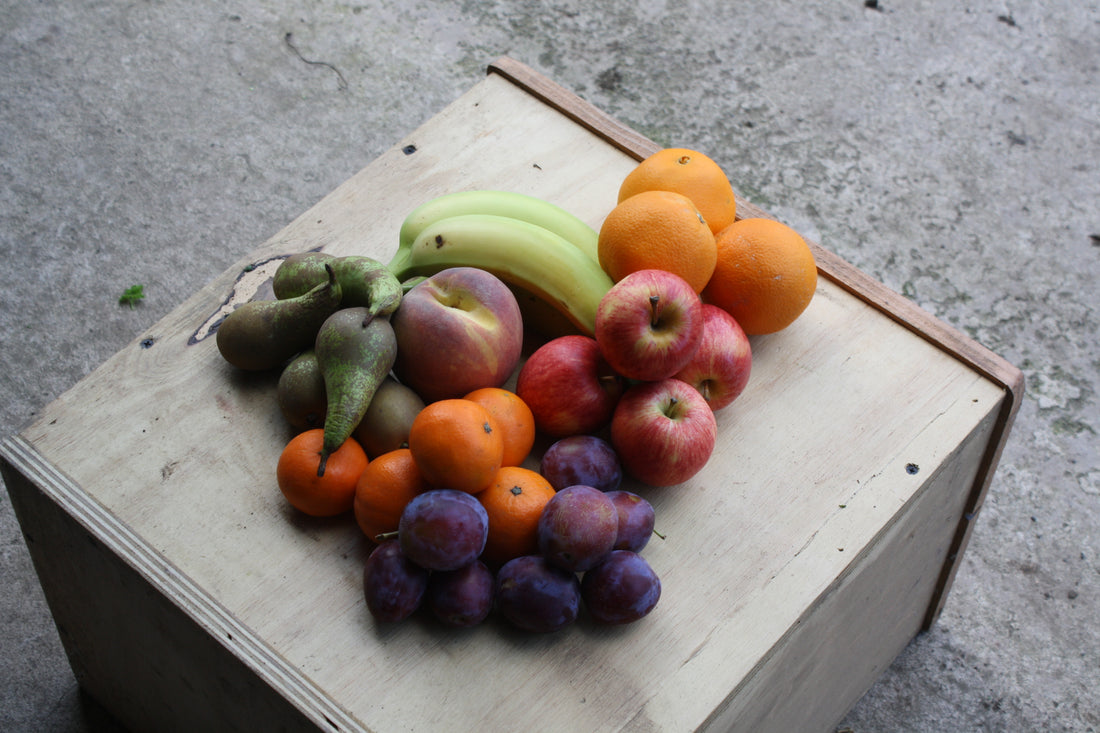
(501,203)
(519,253)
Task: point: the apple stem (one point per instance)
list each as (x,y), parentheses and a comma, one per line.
(669,409)
(654,301)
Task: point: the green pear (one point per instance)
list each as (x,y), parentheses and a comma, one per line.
(264,334)
(386,423)
(301,272)
(369,283)
(300,392)
(356,352)
(364,281)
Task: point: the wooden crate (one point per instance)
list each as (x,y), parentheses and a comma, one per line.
(821,537)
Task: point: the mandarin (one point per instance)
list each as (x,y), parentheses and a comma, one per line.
(319,496)
(765,277)
(456,444)
(514,418)
(514,503)
(690,173)
(657,230)
(386,485)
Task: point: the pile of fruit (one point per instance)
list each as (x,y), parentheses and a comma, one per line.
(392,376)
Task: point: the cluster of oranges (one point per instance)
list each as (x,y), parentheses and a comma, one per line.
(475,444)
(677,211)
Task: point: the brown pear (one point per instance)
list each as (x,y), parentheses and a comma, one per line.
(385,425)
(301,392)
(265,334)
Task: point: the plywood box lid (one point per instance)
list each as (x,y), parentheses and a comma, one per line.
(168,454)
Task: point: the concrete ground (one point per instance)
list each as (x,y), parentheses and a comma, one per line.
(951,150)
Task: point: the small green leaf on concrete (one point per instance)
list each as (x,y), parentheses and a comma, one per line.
(132,295)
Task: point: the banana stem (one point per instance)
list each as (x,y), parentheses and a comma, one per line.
(399,265)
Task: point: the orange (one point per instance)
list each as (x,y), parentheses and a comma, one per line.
(514,502)
(387,484)
(688,172)
(766,275)
(456,444)
(319,496)
(515,419)
(657,230)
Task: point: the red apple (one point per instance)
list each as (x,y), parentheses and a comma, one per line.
(569,387)
(663,431)
(457,331)
(721,365)
(649,324)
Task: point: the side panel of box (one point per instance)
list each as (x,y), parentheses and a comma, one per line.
(137,653)
(844,641)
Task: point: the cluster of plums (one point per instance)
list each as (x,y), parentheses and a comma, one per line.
(589,545)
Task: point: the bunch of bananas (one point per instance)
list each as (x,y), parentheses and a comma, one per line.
(527,242)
